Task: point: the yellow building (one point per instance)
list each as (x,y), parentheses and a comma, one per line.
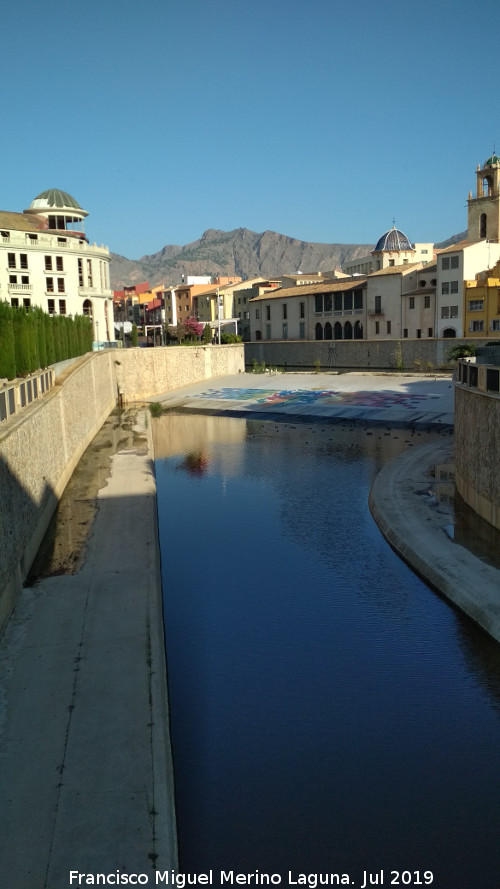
(482,304)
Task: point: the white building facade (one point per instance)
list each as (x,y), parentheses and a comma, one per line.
(47,261)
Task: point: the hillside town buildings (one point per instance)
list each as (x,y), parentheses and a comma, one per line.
(47,261)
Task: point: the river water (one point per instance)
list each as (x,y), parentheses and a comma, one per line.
(329,712)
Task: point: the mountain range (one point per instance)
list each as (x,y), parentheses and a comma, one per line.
(240,252)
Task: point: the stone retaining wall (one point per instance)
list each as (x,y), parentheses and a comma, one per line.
(406,354)
(477,439)
(41,446)
(39,450)
(143,373)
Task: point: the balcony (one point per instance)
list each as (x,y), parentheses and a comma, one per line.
(20,288)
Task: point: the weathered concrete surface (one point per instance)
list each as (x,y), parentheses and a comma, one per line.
(85,764)
(403,504)
(395,399)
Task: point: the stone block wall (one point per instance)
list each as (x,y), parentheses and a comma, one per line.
(39,450)
(477,447)
(41,446)
(405,354)
(144,373)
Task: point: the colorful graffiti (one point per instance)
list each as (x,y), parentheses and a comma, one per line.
(321,396)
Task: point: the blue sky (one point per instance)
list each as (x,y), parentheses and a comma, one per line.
(319,119)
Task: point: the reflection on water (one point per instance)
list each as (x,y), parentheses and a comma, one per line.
(329,712)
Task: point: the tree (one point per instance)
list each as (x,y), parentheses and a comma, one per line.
(193,328)
(207,334)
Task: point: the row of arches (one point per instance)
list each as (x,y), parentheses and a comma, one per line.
(347,331)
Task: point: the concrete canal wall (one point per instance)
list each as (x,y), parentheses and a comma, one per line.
(406,354)
(477,439)
(41,445)
(39,450)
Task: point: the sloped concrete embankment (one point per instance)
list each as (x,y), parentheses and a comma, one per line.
(405,512)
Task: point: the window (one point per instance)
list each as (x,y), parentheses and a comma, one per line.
(60,285)
(389,326)
(59,264)
(405,333)
(257,314)
(377,326)
(347,302)
(476,305)
(285,307)
(11,259)
(405,262)
(495,324)
(445,262)
(328,302)
(318,303)
(422,283)
(48,263)
(268,331)
(378,305)
(285,330)
(412,302)
(454,262)
(27,302)
(453,286)
(358,300)
(445,287)
(476,326)
(424,251)
(51,306)
(23,257)
(337,303)
(302,312)
(80,272)
(302,330)
(430,331)
(89,272)
(268,313)
(419,333)
(391,262)
(62,306)
(12,279)
(14,302)
(453,311)
(49,285)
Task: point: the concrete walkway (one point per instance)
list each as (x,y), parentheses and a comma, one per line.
(85,767)
(405,503)
(393,399)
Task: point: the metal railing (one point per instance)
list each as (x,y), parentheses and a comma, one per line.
(19,394)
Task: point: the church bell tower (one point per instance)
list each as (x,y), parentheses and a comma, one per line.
(483,218)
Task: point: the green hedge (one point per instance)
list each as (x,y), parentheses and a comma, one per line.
(31,339)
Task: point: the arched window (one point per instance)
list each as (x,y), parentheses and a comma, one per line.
(449,332)
(348,331)
(258,334)
(319,331)
(87,308)
(337,331)
(328,331)
(358,331)
(482,225)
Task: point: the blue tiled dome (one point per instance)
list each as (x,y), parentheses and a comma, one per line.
(393,240)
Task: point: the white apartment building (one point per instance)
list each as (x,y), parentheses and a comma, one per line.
(47,261)
(454,265)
